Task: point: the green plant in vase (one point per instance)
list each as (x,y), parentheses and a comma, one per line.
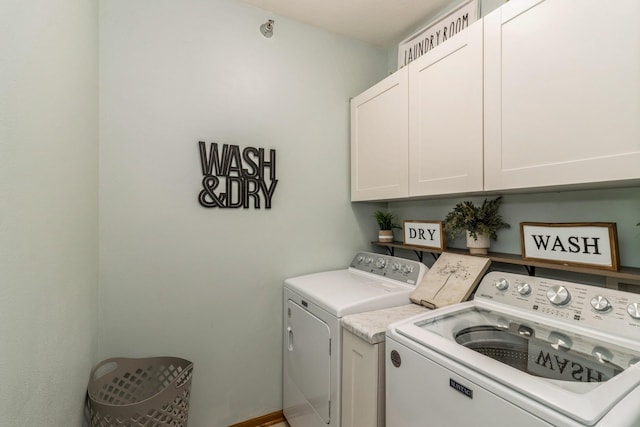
(386,222)
(480,223)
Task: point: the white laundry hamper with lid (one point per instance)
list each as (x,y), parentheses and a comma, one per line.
(145,392)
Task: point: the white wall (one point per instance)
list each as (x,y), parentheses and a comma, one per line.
(48,209)
(206,284)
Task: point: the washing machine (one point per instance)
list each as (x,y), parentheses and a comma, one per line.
(312,342)
(526,352)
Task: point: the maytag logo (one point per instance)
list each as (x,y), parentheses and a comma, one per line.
(462,389)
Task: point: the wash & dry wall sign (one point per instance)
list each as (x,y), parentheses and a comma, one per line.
(235,177)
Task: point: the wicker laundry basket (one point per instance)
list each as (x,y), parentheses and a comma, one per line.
(149,392)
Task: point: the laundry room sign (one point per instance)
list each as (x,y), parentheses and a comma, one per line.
(436,33)
(590,244)
(235,177)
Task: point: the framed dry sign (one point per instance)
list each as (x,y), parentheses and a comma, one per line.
(587,244)
(426,234)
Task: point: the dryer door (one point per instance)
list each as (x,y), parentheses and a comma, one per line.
(308,357)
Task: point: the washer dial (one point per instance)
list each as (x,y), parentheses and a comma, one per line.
(523,288)
(634,310)
(600,303)
(558,295)
(381,262)
(502,284)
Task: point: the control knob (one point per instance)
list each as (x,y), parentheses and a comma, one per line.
(381,262)
(395,266)
(523,288)
(407,268)
(502,284)
(369,260)
(600,303)
(558,295)
(634,310)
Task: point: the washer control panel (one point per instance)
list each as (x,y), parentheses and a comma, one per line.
(603,309)
(390,267)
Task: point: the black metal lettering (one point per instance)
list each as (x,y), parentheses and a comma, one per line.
(207,196)
(243,172)
(251,191)
(248,156)
(212,161)
(235,186)
(271,164)
(268,192)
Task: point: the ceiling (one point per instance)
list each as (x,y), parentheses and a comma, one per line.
(378,22)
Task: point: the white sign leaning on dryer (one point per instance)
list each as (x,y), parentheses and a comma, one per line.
(438,32)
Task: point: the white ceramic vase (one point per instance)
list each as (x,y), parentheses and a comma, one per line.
(478,246)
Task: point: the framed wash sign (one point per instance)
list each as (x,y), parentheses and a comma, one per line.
(426,234)
(588,244)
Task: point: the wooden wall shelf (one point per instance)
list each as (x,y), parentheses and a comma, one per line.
(624,273)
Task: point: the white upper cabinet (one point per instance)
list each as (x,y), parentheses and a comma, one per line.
(445,117)
(419,131)
(379,133)
(562,93)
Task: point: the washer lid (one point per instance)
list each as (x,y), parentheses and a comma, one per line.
(579,375)
(343,292)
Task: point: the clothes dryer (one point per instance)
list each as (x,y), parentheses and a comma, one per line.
(313,306)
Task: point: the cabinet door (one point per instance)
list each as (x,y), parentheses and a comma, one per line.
(562,93)
(379,140)
(445,117)
(362,382)
(308,358)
